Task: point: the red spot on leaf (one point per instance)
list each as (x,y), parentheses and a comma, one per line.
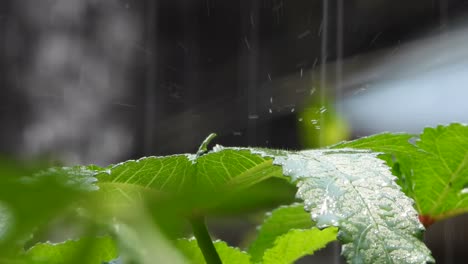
(426,220)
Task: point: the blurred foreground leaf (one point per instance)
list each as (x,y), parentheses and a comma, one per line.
(29,200)
(83,251)
(320,125)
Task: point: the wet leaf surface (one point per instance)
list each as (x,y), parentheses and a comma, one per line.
(355,191)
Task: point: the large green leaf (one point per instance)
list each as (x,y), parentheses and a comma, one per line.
(433,170)
(286,235)
(227,254)
(203,181)
(83,251)
(354,191)
(180,173)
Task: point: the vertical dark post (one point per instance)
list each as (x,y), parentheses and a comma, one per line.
(249,67)
(151,104)
(191,43)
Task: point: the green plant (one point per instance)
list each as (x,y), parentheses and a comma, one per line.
(366,193)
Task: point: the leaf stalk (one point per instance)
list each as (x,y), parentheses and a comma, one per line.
(204,241)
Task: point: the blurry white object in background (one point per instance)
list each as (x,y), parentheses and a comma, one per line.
(422,83)
(80,55)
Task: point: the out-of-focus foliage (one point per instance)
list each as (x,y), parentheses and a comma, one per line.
(320,125)
(85,250)
(29,200)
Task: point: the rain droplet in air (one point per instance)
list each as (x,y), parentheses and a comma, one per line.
(247,43)
(303,34)
(253,116)
(315,63)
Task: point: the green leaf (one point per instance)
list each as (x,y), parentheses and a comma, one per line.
(441,177)
(386,142)
(29,199)
(287,234)
(227,254)
(203,182)
(354,191)
(83,251)
(278,223)
(140,241)
(265,195)
(181,173)
(297,243)
(396,150)
(433,171)
(169,173)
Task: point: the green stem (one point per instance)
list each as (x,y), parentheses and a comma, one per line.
(204,240)
(204,145)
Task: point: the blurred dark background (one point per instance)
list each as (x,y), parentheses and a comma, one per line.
(92,81)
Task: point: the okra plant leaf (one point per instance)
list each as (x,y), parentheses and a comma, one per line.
(355,191)
(208,178)
(277,223)
(288,234)
(386,143)
(297,243)
(441,176)
(182,173)
(396,150)
(227,254)
(84,251)
(433,170)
